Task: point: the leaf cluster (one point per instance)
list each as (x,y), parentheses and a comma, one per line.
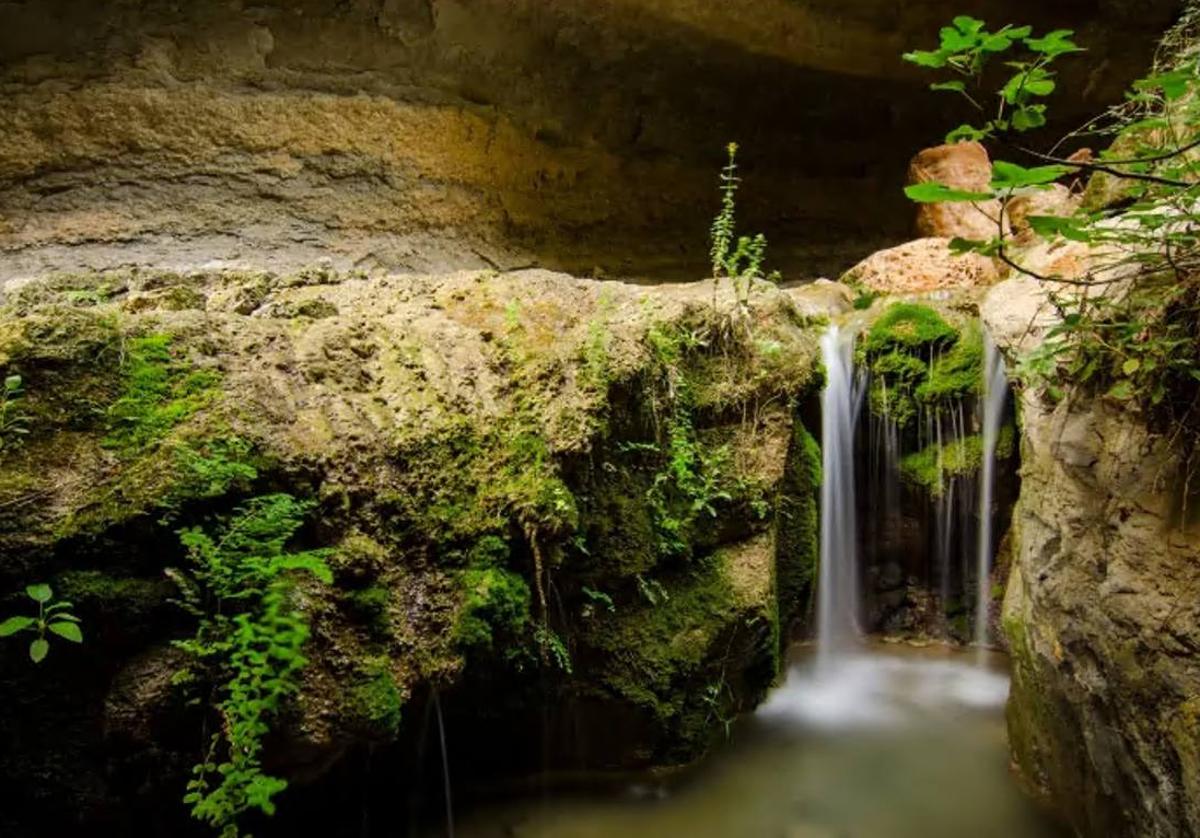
(739,258)
(1129,326)
(53,617)
(967,47)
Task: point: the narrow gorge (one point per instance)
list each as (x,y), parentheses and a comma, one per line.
(500,418)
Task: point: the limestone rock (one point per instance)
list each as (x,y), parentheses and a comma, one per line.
(961,166)
(822,298)
(408,135)
(426,418)
(1101,609)
(921,265)
(1058,200)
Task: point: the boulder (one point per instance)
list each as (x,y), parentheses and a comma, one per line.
(961,166)
(920,266)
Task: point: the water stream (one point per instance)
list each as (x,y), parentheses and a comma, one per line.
(995,390)
(837,589)
(861,740)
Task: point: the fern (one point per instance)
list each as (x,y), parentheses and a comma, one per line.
(248,644)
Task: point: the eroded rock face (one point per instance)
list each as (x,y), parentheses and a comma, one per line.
(1101,610)
(432,134)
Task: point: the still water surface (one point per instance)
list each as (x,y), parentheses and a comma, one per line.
(888,743)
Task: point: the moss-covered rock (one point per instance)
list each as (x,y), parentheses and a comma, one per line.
(932,467)
(527,482)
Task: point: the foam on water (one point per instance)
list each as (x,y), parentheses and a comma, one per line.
(873,690)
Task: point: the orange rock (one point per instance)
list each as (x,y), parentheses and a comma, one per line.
(921,265)
(962,166)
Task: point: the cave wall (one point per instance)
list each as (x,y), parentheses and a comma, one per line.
(421,134)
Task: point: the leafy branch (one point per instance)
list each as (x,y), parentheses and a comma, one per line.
(1129,325)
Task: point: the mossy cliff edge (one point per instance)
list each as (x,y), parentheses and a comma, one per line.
(572,494)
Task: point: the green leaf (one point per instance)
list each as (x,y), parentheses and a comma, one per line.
(955,41)
(1049,226)
(12,384)
(1054,44)
(1029,117)
(968,25)
(1011,176)
(953,86)
(15,624)
(935,193)
(1122,391)
(1131,366)
(39,593)
(68,631)
(1173,85)
(934,60)
(38,650)
(966,132)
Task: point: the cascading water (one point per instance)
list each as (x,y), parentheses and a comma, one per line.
(837,586)
(995,390)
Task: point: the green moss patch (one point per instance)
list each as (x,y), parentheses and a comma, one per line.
(932,467)
(158,392)
(375,701)
(918,361)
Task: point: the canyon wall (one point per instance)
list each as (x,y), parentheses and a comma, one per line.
(1103,607)
(431,134)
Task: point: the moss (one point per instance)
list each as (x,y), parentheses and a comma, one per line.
(123,594)
(495,599)
(919,361)
(158,392)
(370,606)
(653,646)
(797,528)
(164,480)
(910,327)
(375,701)
(358,558)
(896,376)
(689,660)
(931,467)
(957,373)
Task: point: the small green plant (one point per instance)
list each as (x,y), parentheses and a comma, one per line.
(54,616)
(652,590)
(13,420)
(966,49)
(247,647)
(598,599)
(738,258)
(553,645)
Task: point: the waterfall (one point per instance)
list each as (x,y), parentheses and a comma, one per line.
(995,389)
(437,706)
(837,586)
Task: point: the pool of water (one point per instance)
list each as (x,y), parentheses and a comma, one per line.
(891,742)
